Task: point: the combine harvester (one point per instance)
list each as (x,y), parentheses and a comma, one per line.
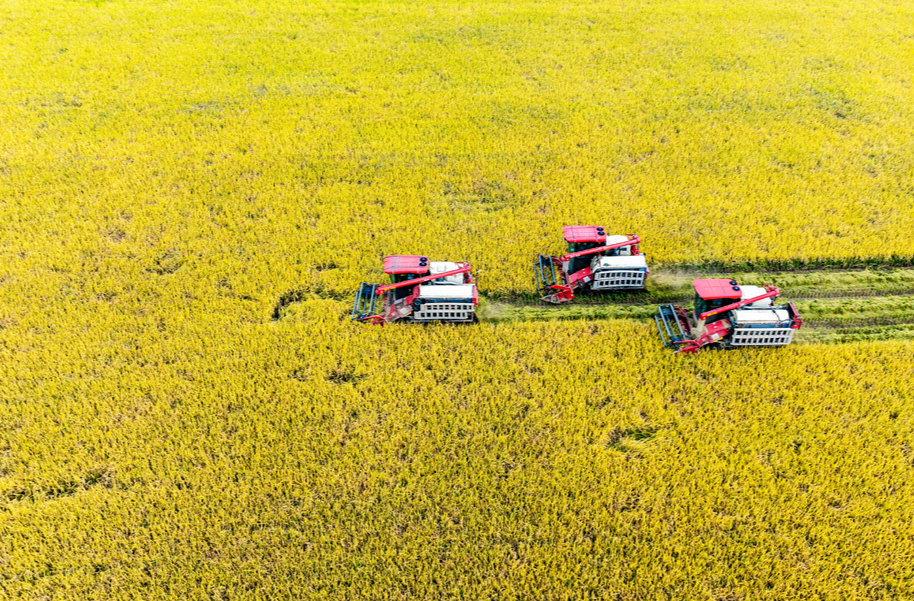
(594,261)
(419,291)
(730,316)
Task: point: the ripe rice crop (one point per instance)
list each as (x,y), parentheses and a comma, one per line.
(191,192)
(745,133)
(313,458)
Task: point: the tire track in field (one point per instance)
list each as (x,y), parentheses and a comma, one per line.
(806,295)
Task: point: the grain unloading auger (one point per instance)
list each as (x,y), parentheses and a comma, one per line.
(420,290)
(730,316)
(594,261)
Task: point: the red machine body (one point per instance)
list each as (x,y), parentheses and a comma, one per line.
(594,261)
(420,290)
(730,316)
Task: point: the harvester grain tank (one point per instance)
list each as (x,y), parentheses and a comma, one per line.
(420,290)
(729,316)
(594,262)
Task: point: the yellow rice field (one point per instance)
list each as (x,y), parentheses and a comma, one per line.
(169,172)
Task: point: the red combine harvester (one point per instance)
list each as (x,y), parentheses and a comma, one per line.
(730,316)
(594,261)
(420,290)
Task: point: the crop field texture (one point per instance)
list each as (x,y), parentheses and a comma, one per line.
(190,193)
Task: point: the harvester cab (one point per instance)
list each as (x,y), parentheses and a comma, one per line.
(419,290)
(594,261)
(730,316)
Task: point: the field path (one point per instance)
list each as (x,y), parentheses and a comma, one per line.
(836,305)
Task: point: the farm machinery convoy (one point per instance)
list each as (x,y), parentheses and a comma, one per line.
(725,315)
